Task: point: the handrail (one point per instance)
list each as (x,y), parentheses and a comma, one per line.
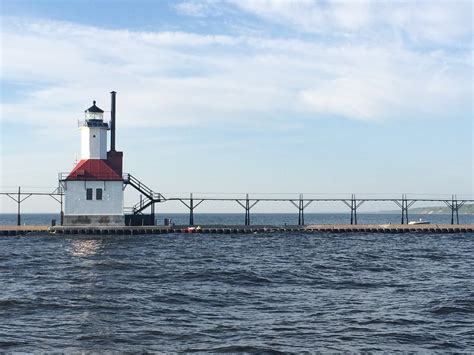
(93,123)
(133,179)
(130,179)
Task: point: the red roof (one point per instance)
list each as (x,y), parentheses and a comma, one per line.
(93,169)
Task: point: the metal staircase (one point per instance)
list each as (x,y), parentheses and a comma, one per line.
(150,199)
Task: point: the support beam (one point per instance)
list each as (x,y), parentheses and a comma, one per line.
(152,212)
(19,203)
(191,206)
(354,209)
(59,191)
(353,206)
(191,210)
(17,198)
(404,204)
(247,211)
(301,211)
(247,208)
(454,205)
(404,208)
(301,207)
(453,208)
(457,209)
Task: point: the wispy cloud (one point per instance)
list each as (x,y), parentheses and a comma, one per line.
(421,21)
(309,15)
(180,78)
(193,8)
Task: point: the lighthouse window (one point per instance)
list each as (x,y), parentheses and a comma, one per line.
(88,194)
(98,194)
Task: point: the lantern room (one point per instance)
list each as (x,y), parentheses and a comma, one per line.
(94,113)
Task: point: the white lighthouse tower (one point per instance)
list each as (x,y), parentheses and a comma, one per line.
(94,188)
(94,134)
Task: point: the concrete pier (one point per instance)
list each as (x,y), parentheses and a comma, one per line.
(237,229)
(22,230)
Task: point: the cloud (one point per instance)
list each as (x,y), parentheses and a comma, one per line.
(309,15)
(433,21)
(192,8)
(420,21)
(186,79)
(394,84)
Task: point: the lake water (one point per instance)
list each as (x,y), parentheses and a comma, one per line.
(269,292)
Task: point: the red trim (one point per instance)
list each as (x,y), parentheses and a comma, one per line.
(93,169)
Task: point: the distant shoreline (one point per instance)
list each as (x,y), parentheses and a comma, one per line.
(464,210)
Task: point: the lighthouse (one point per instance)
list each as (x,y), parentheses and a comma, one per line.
(94,189)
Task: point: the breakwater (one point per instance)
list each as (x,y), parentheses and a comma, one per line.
(237,229)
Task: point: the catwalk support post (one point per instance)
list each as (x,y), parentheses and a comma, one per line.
(301,207)
(18,217)
(404,204)
(354,205)
(247,206)
(17,197)
(454,205)
(191,206)
(59,191)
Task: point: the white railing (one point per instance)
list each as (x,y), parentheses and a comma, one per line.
(93,123)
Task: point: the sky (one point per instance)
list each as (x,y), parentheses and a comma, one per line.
(229,97)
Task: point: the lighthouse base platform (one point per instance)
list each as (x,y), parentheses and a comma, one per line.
(94,220)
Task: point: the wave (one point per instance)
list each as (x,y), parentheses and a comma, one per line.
(239,349)
(443,310)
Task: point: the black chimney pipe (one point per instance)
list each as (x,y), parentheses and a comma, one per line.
(112,123)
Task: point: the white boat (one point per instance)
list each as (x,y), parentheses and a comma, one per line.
(420,221)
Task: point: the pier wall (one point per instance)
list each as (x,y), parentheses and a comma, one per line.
(238,229)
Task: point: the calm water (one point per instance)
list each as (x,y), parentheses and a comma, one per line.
(255,293)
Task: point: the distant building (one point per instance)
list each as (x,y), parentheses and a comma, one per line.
(94,189)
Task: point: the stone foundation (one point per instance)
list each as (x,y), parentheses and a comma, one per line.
(94,220)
